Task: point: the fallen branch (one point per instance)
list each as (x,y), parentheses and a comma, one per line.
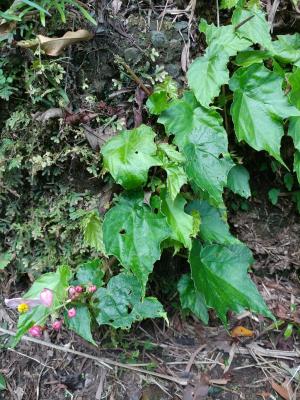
(103,361)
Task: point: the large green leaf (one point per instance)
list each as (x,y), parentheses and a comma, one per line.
(90,273)
(294,131)
(81,323)
(157,103)
(220,274)
(297,164)
(294,80)
(238,181)
(213,227)
(191,299)
(181,224)
(133,233)
(58,282)
(259,105)
(202,139)
(92,231)
(287,49)
(208,162)
(255,28)
(129,156)
(208,73)
(181,118)
(249,57)
(120,303)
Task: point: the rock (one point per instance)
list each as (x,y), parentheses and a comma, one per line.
(132,55)
(159,39)
(173,69)
(181,25)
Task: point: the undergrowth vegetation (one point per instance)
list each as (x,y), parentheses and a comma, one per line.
(168,180)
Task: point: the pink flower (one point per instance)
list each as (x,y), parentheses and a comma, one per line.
(57,325)
(92,288)
(46,297)
(71,291)
(78,289)
(72,312)
(36,331)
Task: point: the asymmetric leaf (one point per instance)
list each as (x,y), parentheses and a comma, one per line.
(208,73)
(120,303)
(181,224)
(129,156)
(157,103)
(294,131)
(133,233)
(220,274)
(81,323)
(191,299)
(213,227)
(259,105)
(255,29)
(287,49)
(294,80)
(90,273)
(238,181)
(207,164)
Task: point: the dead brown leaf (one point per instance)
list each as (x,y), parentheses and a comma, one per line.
(51,113)
(7,26)
(282,391)
(55,46)
(98,137)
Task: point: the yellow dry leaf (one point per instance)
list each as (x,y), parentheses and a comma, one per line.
(55,46)
(239,331)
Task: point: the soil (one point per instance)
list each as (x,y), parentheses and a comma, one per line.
(224,368)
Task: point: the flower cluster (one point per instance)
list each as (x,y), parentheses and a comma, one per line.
(46,299)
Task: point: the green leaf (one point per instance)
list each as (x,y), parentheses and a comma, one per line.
(259,105)
(181,224)
(202,139)
(229,3)
(191,299)
(294,80)
(92,231)
(133,233)
(129,156)
(294,131)
(58,282)
(81,323)
(35,5)
(120,303)
(220,274)
(181,118)
(238,181)
(2,382)
(5,259)
(273,195)
(222,44)
(213,227)
(255,29)
(172,164)
(249,57)
(157,103)
(297,164)
(289,181)
(90,273)
(207,164)
(287,49)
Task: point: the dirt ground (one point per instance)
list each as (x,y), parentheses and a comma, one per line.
(185,360)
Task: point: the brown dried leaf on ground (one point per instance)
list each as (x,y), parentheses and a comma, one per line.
(55,46)
(7,26)
(283,391)
(98,137)
(51,113)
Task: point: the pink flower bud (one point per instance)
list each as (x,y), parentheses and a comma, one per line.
(46,297)
(92,288)
(57,325)
(72,312)
(78,289)
(36,331)
(71,291)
